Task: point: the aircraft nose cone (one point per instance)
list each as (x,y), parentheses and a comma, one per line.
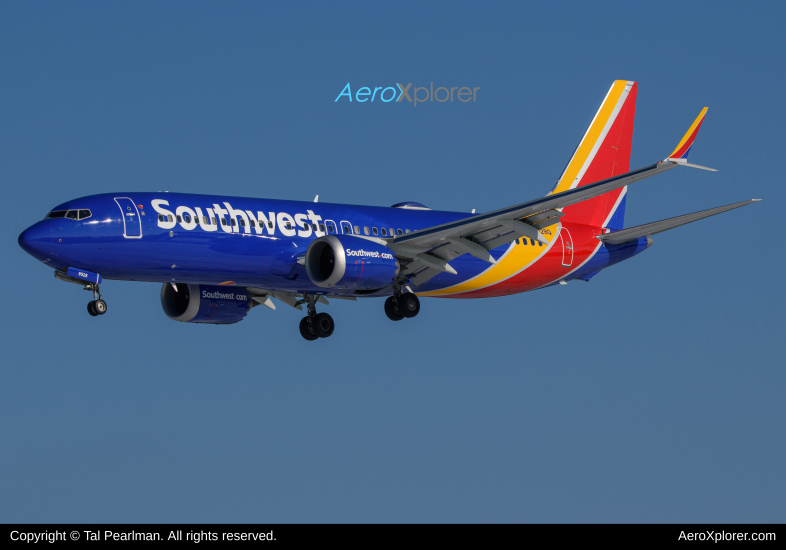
(36,240)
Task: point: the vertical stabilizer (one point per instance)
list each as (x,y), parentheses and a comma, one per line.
(603,152)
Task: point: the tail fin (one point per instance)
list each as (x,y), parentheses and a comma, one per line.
(602,153)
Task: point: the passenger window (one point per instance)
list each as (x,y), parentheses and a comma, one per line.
(540,243)
(213,221)
(357,230)
(252,223)
(179,220)
(406,231)
(289,225)
(384,232)
(322,227)
(160,217)
(234,223)
(187,218)
(72,214)
(392,231)
(270,225)
(314,226)
(365,230)
(242,222)
(170,217)
(331,229)
(84,214)
(205,221)
(374,231)
(400,232)
(223,221)
(532,241)
(346,228)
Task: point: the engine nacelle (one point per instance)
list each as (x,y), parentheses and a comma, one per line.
(349,262)
(218,305)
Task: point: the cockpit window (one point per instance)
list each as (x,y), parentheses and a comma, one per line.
(70,214)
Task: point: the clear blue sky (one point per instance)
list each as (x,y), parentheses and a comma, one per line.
(653,393)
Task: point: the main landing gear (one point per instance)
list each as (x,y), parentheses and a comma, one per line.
(97,306)
(315,325)
(401,306)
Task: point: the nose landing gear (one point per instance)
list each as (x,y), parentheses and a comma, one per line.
(96,306)
(315,325)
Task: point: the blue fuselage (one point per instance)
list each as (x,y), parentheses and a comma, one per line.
(128,236)
(214,240)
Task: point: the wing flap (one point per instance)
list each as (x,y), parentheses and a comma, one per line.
(424,276)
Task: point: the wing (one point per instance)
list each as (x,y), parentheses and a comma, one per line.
(262,296)
(427,252)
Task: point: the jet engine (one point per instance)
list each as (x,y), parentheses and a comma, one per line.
(349,262)
(217,305)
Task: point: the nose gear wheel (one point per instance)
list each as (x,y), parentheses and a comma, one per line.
(97,306)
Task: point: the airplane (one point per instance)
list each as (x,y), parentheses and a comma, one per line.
(218,257)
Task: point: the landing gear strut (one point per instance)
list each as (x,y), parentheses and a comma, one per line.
(97,306)
(315,325)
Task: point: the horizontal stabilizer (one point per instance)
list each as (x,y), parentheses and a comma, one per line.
(648,229)
(683,162)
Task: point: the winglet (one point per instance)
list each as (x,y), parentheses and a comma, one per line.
(680,154)
(682,150)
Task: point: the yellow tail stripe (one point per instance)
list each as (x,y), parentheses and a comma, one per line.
(591,137)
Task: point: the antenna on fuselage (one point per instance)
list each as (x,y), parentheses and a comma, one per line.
(316,199)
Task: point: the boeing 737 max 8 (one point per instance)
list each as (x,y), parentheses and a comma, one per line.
(217,257)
